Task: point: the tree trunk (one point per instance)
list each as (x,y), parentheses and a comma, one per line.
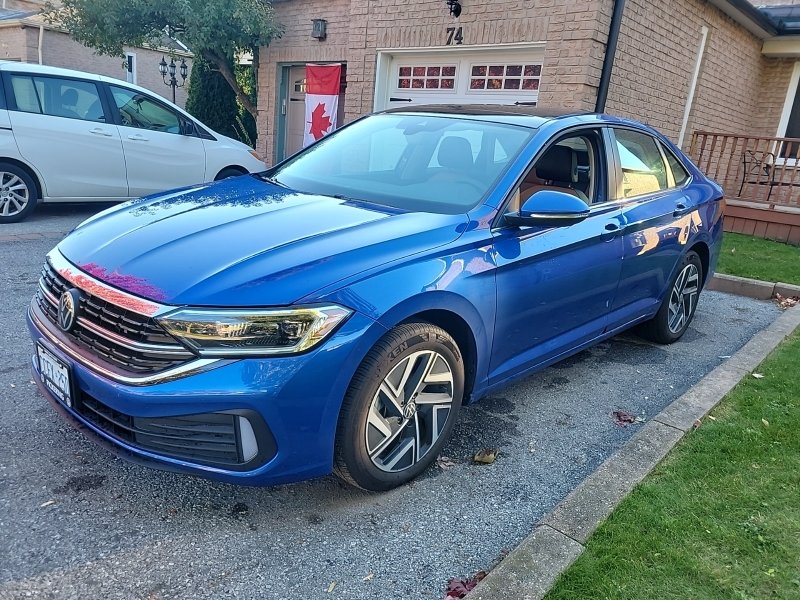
(225,70)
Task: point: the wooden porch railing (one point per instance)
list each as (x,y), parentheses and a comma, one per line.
(758,169)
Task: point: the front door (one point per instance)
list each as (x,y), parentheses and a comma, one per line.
(295,110)
(157,153)
(60,125)
(555,285)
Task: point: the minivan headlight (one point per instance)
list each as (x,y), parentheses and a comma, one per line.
(227,333)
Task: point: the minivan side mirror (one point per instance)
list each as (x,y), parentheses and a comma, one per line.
(550,209)
(188,127)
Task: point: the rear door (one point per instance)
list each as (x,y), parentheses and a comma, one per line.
(62,127)
(658,217)
(162,150)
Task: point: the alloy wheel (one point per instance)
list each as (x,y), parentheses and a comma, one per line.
(14,194)
(409,411)
(683,298)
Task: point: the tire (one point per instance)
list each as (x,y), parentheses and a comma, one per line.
(384,438)
(18,196)
(669,324)
(227,173)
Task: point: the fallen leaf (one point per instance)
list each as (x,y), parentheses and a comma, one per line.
(758,375)
(368,577)
(786,302)
(48,503)
(713,418)
(733,250)
(623,418)
(765,423)
(13,386)
(445,462)
(331,586)
(487,456)
(459,588)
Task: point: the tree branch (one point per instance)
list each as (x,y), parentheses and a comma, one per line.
(222,65)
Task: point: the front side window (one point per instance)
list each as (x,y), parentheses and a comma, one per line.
(411,162)
(137,110)
(643,169)
(58,97)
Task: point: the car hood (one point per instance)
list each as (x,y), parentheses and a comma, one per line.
(245,242)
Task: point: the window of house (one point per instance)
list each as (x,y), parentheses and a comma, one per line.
(643,168)
(508,77)
(426,77)
(130,67)
(58,97)
(137,110)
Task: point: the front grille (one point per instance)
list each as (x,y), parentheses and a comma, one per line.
(120,337)
(208,438)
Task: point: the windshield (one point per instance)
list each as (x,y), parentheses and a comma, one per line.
(412,162)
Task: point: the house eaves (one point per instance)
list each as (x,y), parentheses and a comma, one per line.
(748,16)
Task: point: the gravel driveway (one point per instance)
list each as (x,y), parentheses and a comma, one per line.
(78,523)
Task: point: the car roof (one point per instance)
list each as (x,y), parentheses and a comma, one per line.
(520,114)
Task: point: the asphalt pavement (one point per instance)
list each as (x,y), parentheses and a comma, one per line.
(77,522)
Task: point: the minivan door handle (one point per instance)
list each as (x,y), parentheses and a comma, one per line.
(138,137)
(101,131)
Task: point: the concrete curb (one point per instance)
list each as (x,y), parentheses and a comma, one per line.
(752,288)
(530,570)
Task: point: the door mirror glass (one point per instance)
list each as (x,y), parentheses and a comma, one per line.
(549,208)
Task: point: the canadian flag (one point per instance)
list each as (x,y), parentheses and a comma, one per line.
(322,101)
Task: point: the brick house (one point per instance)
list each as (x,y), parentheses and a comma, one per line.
(25,36)
(683,66)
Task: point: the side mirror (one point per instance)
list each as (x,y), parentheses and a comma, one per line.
(188,128)
(550,209)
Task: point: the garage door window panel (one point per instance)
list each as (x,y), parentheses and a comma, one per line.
(505,77)
(435,77)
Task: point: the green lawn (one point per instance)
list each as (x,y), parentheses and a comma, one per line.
(755,258)
(720,517)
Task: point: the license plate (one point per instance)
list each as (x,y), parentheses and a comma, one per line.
(55,375)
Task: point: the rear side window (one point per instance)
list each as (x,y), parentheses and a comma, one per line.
(643,168)
(679,173)
(58,97)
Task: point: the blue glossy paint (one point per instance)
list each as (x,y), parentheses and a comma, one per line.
(527,296)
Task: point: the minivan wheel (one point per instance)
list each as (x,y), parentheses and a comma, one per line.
(679,304)
(17,194)
(400,407)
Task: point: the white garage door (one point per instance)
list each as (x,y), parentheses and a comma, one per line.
(457,76)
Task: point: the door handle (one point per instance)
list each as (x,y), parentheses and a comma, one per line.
(138,137)
(400,99)
(681,209)
(100,131)
(611,231)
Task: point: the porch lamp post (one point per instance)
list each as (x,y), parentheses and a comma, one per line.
(171,69)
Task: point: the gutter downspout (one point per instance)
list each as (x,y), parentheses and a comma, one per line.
(611,52)
(41,38)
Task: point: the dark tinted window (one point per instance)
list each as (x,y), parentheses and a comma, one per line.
(58,97)
(679,173)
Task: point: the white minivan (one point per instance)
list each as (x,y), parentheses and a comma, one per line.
(68,136)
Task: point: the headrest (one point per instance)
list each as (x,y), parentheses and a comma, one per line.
(559,163)
(455,153)
(69,97)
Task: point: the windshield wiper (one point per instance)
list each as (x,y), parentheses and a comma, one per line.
(264,177)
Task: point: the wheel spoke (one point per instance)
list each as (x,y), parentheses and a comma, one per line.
(405,448)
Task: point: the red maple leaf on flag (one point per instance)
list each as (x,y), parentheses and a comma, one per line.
(320,122)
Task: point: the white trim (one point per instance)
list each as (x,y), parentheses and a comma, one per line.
(791,93)
(693,85)
(130,76)
(384,87)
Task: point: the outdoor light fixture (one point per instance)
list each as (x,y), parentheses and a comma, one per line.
(319,29)
(171,69)
(455,7)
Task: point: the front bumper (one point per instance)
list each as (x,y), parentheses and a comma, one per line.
(292,403)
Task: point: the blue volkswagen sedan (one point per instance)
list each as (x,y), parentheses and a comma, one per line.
(335,312)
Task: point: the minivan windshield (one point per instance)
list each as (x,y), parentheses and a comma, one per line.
(420,162)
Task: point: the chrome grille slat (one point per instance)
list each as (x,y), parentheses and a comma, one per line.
(125,339)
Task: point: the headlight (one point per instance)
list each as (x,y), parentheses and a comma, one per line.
(253,332)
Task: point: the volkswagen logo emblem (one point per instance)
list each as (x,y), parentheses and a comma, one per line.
(68,309)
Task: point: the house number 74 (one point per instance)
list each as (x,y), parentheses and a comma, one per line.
(455,34)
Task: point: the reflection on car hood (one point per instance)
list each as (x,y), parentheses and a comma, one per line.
(244,242)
